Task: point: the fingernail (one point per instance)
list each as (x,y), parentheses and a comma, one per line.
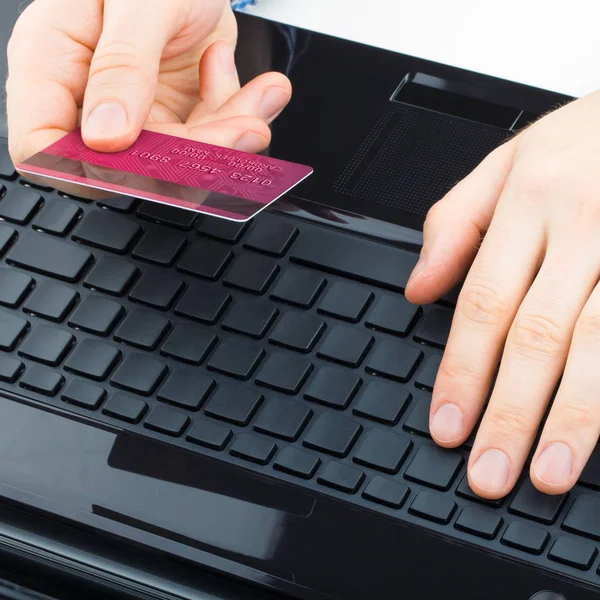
(553,466)
(419,267)
(491,470)
(273,102)
(448,423)
(250,142)
(106,121)
(227,59)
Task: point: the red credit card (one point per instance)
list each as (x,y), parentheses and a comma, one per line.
(161,168)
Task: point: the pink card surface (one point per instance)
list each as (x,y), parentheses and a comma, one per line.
(161,168)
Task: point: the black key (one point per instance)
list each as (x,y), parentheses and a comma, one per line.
(157,288)
(298,287)
(142,329)
(27,183)
(97,315)
(208,434)
(93,359)
(583,517)
(297,331)
(296,462)
(345,345)
(525,537)
(61,194)
(332,434)
(464,491)
(203,302)
(252,273)
(251,317)
(418,418)
(220,229)
(283,419)
(48,256)
(383,450)
(393,314)
(425,378)
(341,477)
(186,387)
(533,504)
(394,360)
(367,261)
(125,408)
(168,215)
(271,236)
(7,169)
(47,345)
(10,369)
(236,359)
(333,387)
(572,552)
(107,230)
(284,372)
(189,343)
(160,245)
(57,217)
(140,374)
(479,521)
(111,275)
(383,402)
(84,394)
(253,448)
(207,259)
(386,492)
(167,421)
(14,287)
(7,237)
(435,467)
(42,381)
(435,329)
(432,507)
(346,301)
(19,205)
(591,472)
(234,404)
(51,301)
(122,204)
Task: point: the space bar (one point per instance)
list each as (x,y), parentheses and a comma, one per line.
(356,258)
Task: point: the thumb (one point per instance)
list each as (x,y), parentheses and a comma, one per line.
(455,225)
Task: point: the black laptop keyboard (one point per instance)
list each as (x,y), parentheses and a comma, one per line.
(279,345)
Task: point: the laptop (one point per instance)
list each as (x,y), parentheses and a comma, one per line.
(194,408)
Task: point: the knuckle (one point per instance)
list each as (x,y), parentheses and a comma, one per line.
(482,303)
(578,415)
(533,178)
(122,56)
(454,375)
(588,327)
(509,421)
(536,336)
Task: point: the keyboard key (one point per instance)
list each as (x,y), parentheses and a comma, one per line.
(57,218)
(345,345)
(252,317)
(418,418)
(234,404)
(284,373)
(210,435)
(236,359)
(160,245)
(252,273)
(533,504)
(140,374)
(42,381)
(572,552)
(125,408)
(97,315)
(167,421)
(435,329)
(107,230)
(220,229)
(7,236)
(298,287)
(122,204)
(464,491)
(386,492)
(432,507)
(47,345)
(394,360)
(393,314)
(157,288)
(7,169)
(382,402)
(591,472)
(526,537)
(48,256)
(14,287)
(203,302)
(253,448)
(346,301)
(583,517)
(333,387)
(332,434)
(111,275)
(271,236)
(186,387)
(168,215)
(341,477)
(296,462)
(51,301)
(426,375)
(207,259)
(10,369)
(142,329)
(479,521)
(189,343)
(435,467)
(19,205)
(283,419)
(93,359)
(383,450)
(297,331)
(84,394)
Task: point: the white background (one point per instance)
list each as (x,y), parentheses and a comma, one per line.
(552,44)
